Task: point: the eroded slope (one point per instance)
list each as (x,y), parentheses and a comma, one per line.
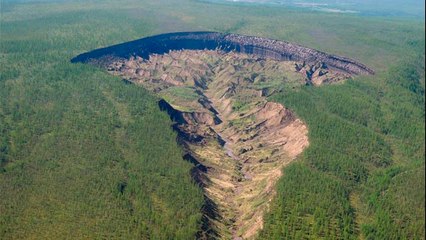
(238,141)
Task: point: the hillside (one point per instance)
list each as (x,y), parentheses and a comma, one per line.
(237,140)
(87,155)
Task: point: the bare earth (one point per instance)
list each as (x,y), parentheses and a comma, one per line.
(238,140)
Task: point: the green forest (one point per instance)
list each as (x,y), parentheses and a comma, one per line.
(83,155)
(363,175)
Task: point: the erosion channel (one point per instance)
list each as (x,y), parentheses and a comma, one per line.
(215,88)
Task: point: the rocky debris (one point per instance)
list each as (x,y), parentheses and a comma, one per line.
(282,50)
(236,139)
(245,149)
(258,46)
(319,73)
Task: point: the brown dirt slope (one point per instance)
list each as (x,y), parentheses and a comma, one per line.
(237,140)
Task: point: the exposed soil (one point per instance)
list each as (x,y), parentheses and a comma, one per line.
(238,141)
(215,87)
(228,42)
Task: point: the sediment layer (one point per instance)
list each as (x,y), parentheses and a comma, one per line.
(237,140)
(215,87)
(258,46)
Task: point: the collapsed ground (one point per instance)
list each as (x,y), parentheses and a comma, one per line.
(237,140)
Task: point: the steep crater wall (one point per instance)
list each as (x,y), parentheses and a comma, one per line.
(215,86)
(258,46)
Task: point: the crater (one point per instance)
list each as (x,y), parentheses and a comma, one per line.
(215,87)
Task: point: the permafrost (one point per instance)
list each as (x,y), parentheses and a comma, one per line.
(260,47)
(215,86)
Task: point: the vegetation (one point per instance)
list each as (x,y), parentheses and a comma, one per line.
(363,174)
(86,156)
(175,95)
